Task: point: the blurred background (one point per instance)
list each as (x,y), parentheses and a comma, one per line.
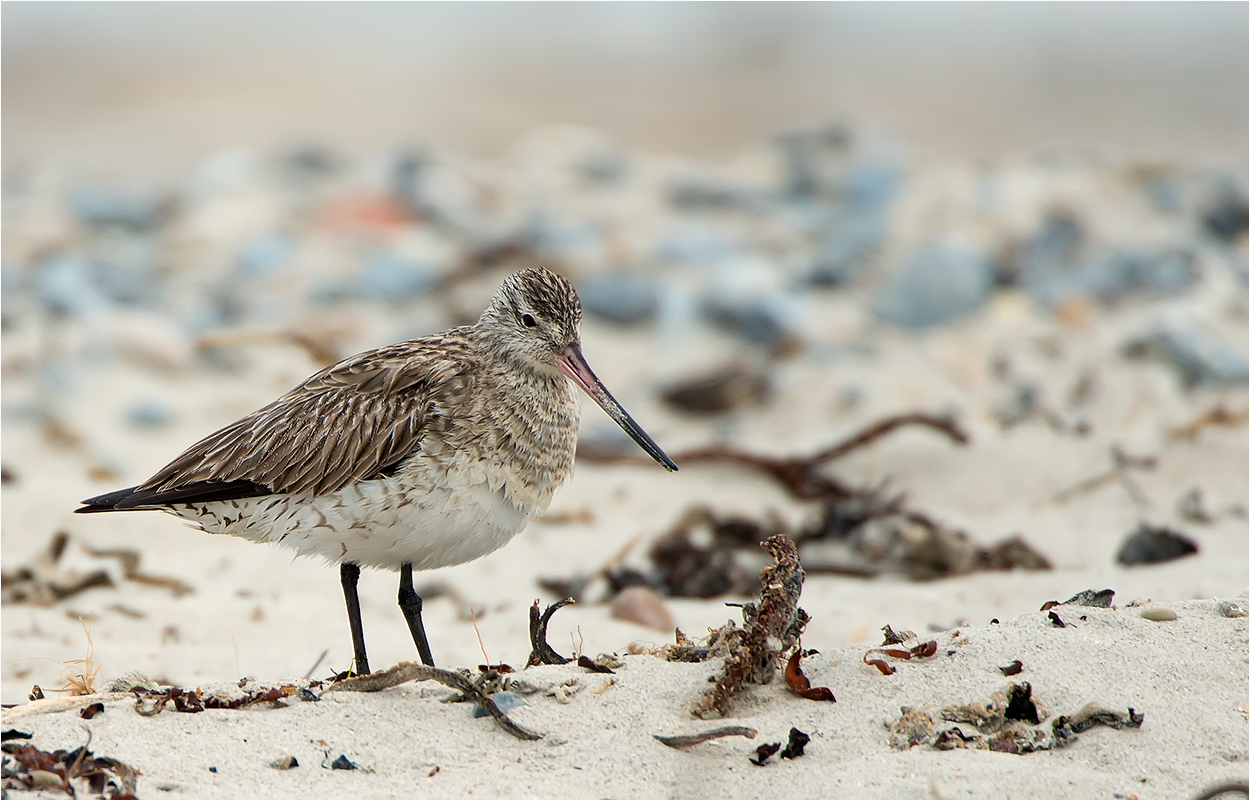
(149,88)
(786,222)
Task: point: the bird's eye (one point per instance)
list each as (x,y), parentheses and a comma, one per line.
(529,320)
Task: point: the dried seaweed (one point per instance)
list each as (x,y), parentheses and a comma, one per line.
(1009,721)
(801,684)
(593,666)
(1218,415)
(922,651)
(797,742)
(75,773)
(686,569)
(473,689)
(875,530)
(764,753)
(1121,465)
(772,628)
(43,583)
(800,475)
(151,702)
(685,741)
(723,390)
(541,653)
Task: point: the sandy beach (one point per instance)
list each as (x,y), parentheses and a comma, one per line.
(1063,332)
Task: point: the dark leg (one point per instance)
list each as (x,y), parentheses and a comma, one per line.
(350,573)
(410,605)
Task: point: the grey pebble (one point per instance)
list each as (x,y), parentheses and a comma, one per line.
(1149,545)
(111,207)
(1199,358)
(1099,599)
(284,763)
(620,297)
(504,700)
(847,246)
(1232,609)
(148,414)
(1158,614)
(939,283)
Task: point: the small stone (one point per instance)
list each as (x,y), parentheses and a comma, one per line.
(1099,599)
(263,255)
(620,297)
(847,245)
(104,207)
(343,763)
(1158,614)
(1199,358)
(284,763)
(939,283)
(505,700)
(1148,545)
(698,191)
(148,414)
(305,694)
(565,692)
(1232,609)
(642,605)
(724,390)
(45,778)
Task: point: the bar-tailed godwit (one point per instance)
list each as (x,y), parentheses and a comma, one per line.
(423,454)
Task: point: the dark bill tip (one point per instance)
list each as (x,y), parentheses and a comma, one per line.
(574,365)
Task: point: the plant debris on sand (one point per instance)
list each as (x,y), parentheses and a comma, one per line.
(772,627)
(1010,721)
(77,773)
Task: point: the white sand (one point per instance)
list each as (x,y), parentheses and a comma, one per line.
(258,612)
(1186,676)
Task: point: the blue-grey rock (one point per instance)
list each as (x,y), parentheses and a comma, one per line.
(106,207)
(1057,247)
(804,156)
(1165,194)
(1226,213)
(762,321)
(564,240)
(694,243)
(938,284)
(387,276)
(1149,545)
(872,183)
(746,297)
(67,286)
(847,246)
(148,414)
(1199,358)
(263,255)
(1056,264)
(620,297)
(435,191)
(505,700)
(603,166)
(308,162)
(1114,275)
(699,191)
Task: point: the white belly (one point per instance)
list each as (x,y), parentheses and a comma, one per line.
(373,524)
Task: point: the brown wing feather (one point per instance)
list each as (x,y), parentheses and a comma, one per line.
(344,424)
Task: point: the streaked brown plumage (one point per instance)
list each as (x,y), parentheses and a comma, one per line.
(422,454)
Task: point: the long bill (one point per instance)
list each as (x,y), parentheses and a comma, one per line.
(573,364)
